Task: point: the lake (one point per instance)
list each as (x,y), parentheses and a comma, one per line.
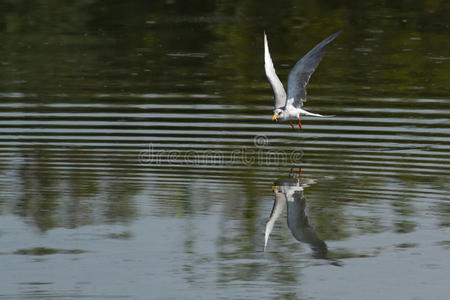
(139,159)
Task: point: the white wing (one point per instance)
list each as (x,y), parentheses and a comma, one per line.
(279,93)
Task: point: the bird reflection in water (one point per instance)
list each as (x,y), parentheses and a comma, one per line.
(290,192)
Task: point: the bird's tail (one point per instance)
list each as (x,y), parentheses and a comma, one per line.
(307,113)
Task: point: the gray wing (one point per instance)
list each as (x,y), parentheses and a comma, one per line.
(301,72)
(277,87)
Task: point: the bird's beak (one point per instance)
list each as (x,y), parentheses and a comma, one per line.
(275,116)
(274,188)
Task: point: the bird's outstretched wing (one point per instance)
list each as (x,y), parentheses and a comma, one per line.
(277,87)
(301,72)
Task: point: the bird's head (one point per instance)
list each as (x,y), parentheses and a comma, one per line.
(277,112)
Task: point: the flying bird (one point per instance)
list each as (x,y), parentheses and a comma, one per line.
(289,107)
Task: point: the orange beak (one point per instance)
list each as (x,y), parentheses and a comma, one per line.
(275,116)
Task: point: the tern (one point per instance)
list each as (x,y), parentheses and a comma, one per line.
(290,107)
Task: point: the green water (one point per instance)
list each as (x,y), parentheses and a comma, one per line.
(138,156)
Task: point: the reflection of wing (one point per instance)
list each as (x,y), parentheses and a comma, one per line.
(277,209)
(299,225)
(277,87)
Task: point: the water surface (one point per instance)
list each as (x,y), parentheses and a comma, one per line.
(138,158)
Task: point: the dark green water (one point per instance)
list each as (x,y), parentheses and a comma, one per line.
(138,156)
